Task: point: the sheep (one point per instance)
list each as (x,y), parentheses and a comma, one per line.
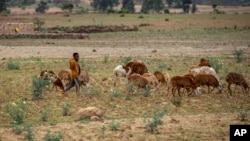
(204,62)
(203,70)
(136,67)
(50,75)
(161,77)
(151,79)
(64,75)
(178,82)
(84,78)
(120,71)
(237,79)
(94,113)
(139,80)
(207,79)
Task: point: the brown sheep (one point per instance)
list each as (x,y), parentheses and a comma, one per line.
(139,80)
(50,75)
(136,67)
(179,82)
(64,75)
(84,78)
(204,62)
(151,79)
(208,80)
(162,78)
(237,79)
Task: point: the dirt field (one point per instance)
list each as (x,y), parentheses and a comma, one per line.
(171,47)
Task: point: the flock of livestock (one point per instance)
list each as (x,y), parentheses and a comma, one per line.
(136,73)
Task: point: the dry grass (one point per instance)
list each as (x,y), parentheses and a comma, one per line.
(202,117)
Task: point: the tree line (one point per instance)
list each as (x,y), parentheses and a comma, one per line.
(148,6)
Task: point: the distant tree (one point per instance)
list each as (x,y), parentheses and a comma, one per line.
(194,8)
(103,5)
(42,7)
(3,5)
(128,5)
(156,5)
(170,3)
(186,5)
(68,7)
(20,3)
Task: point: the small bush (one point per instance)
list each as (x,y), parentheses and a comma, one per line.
(51,137)
(243,115)
(65,109)
(166,19)
(93,91)
(114,126)
(166,11)
(215,64)
(16,111)
(176,101)
(29,136)
(106,59)
(153,122)
(147,91)
(162,66)
(122,15)
(141,17)
(39,86)
(45,114)
(17,129)
(126,59)
(238,55)
(115,94)
(13,65)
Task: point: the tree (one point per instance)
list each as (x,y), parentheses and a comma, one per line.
(68,6)
(170,3)
(128,5)
(42,7)
(20,3)
(156,5)
(104,4)
(186,6)
(194,8)
(3,5)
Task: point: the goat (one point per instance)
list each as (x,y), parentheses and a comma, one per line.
(208,80)
(179,82)
(120,71)
(237,79)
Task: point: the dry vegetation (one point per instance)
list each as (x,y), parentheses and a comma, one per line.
(179,43)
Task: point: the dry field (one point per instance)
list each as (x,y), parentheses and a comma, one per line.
(179,40)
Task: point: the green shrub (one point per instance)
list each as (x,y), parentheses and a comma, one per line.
(29,136)
(238,55)
(242,115)
(13,65)
(39,86)
(106,59)
(162,66)
(17,129)
(126,59)
(176,101)
(45,114)
(114,126)
(16,111)
(51,137)
(153,122)
(93,91)
(65,109)
(141,17)
(147,91)
(115,94)
(215,64)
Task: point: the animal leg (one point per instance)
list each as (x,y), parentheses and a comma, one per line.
(229,88)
